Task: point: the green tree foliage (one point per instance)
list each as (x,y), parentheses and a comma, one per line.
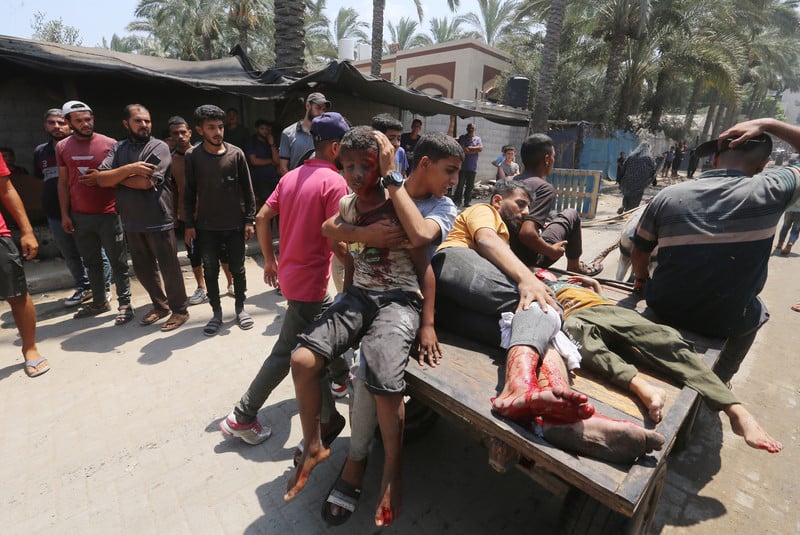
(54,31)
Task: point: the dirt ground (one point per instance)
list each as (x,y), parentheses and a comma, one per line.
(121,436)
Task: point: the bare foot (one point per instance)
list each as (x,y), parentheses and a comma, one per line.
(563,404)
(602,438)
(389,506)
(652,397)
(745,425)
(312,456)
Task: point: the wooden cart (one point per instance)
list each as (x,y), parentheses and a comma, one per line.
(600,497)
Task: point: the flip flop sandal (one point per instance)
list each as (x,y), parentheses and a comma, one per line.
(174,321)
(327,438)
(212,327)
(245,321)
(32,368)
(591,270)
(153,316)
(344,495)
(796,307)
(124,315)
(91,310)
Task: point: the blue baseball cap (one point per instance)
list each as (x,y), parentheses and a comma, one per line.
(329,125)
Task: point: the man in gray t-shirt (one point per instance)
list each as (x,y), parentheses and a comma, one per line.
(297,144)
(138,166)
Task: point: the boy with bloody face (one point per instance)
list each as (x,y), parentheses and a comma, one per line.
(381,307)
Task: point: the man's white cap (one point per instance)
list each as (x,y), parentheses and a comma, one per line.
(74,105)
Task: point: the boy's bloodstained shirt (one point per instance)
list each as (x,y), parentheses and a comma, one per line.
(377,269)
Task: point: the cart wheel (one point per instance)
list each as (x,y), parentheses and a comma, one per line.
(583,515)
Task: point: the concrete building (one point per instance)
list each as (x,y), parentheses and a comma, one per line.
(462,70)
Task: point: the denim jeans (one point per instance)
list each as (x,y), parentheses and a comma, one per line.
(69,250)
(93,233)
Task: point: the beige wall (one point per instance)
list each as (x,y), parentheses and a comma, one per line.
(470,58)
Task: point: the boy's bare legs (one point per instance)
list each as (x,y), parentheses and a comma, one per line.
(745,425)
(523,399)
(652,396)
(306,367)
(391,419)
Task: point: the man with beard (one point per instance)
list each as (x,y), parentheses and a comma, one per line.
(46,169)
(478,277)
(90,213)
(219,207)
(297,143)
(137,167)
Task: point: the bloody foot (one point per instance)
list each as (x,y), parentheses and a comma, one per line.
(564,405)
(312,456)
(522,399)
(603,438)
(745,425)
(389,506)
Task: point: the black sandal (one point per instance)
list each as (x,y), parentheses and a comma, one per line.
(91,310)
(213,326)
(124,315)
(344,495)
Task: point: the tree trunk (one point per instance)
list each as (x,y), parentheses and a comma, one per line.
(547,71)
(733,113)
(612,77)
(244,40)
(377,36)
(290,34)
(626,97)
(207,49)
(691,109)
(712,109)
(718,118)
(658,101)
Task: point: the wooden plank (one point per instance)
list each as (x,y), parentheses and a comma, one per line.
(470,374)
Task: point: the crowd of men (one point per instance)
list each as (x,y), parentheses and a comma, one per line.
(377,200)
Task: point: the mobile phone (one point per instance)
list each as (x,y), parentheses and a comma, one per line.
(153,159)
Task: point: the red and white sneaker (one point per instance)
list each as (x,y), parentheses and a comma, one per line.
(252,433)
(338,391)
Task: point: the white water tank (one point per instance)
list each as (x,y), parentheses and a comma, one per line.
(364,52)
(347,49)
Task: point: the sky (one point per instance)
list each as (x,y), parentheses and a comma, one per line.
(96,19)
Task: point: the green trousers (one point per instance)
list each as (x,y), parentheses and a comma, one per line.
(605,333)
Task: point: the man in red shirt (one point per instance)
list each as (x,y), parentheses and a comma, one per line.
(89,211)
(13,286)
(304,198)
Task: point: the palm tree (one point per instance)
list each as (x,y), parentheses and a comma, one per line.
(443,30)
(318,34)
(290,36)
(347,25)
(404,34)
(172,23)
(246,16)
(495,22)
(378,7)
(549,61)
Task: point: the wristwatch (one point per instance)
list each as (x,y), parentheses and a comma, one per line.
(394,178)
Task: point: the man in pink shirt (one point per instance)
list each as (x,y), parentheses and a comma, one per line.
(304,198)
(89,211)
(13,286)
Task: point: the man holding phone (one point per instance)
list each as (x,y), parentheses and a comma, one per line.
(137,166)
